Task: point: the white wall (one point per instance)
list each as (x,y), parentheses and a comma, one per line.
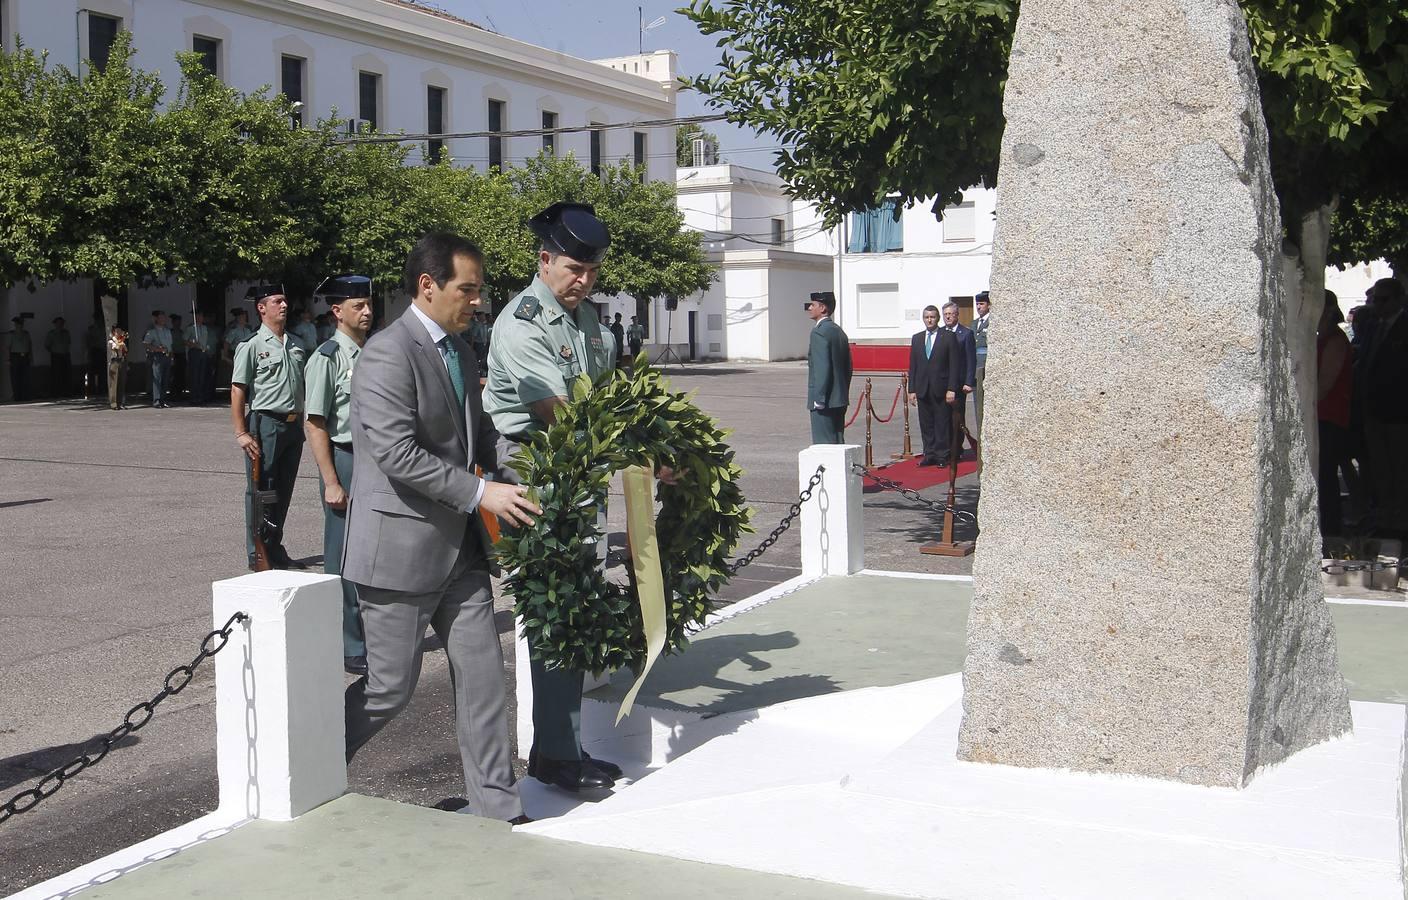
(409,48)
(936,263)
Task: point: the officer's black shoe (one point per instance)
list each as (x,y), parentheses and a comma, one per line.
(570,775)
(609,769)
(354,665)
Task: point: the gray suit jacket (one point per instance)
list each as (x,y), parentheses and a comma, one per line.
(414,453)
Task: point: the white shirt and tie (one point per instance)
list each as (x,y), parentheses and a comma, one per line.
(441,338)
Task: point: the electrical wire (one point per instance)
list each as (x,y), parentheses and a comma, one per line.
(525,132)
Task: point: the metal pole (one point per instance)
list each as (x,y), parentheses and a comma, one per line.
(904,398)
(869,450)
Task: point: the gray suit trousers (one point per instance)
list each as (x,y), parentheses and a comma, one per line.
(462,614)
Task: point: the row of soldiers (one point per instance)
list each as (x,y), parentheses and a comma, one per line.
(282,396)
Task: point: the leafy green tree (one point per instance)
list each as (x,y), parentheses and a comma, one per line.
(1369,230)
(121,173)
(30,170)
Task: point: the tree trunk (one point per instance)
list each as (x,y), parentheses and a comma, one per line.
(1305,298)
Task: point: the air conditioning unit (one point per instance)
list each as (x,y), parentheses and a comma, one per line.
(706,152)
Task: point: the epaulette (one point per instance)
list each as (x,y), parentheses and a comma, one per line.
(527,309)
(328,348)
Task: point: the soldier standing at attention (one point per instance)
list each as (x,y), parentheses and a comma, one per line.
(21,349)
(268,374)
(327,392)
(547,336)
(158,343)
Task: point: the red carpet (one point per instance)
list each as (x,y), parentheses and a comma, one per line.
(909,474)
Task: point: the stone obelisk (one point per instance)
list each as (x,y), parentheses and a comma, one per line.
(1147,598)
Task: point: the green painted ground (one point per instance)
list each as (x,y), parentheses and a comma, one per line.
(869,631)
(362,847)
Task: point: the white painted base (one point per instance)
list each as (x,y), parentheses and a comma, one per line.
(857,789)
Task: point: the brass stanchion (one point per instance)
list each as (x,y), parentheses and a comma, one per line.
(907,451)
(869,449)
(946,545)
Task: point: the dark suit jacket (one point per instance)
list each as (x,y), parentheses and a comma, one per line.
(969,350)
(941,372)
(828,367)
(415,449)
(1385,375)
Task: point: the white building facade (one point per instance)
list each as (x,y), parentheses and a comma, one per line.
(394,64)
(773,251)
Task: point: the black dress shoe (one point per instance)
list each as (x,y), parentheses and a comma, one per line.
(519,820)
(926,461)
(570,775)
(354,665)
(609,769)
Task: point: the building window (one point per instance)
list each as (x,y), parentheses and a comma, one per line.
(209,51)
(435,121)
(291,70)
(778,227)
(960,223)
(879,230)
(596,135)
(549,140)
(496,143)
(639,150)
(102,32)
(368,107)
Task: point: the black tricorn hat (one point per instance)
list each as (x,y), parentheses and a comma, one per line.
(572,229)
(337,288)
(259,292)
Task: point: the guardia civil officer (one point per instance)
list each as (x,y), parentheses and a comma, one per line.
(268,375)
(547,336)
(327,392)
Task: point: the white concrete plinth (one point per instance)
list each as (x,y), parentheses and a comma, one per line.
(854,788)
(280,738)
(832,526)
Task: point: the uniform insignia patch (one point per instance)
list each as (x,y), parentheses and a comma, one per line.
(527,309)
(565,352)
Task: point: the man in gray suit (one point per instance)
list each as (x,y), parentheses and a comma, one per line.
(416,547)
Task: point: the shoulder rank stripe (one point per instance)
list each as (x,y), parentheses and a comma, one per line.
(527,309)
(328,348)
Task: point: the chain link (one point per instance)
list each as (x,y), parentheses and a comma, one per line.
(793,512)
(26,800)
(911,494)
(1339,567)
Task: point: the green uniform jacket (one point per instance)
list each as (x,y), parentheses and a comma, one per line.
(537,349)
(828,367)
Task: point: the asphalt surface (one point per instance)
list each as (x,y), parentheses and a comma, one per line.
(114,524)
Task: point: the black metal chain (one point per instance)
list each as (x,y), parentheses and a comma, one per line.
(793,512)
(1338,567)
(174,683)
(911,494)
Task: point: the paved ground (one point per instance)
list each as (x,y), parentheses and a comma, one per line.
(113,525)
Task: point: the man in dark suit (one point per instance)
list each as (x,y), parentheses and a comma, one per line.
(416,547)
(968,352)
(935,377)
(1384,382)
(828,371)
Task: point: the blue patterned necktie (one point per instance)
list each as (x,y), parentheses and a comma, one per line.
(452,362)
(928,345)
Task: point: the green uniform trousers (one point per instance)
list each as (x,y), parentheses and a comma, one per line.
(334,536)
(828,426)
(280,449)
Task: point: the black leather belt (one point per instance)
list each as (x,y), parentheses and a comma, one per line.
(345,448)
(282,417)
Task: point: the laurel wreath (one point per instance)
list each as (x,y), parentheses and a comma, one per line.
(573,616)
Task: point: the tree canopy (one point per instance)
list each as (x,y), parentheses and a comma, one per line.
(106,176)
(894,97)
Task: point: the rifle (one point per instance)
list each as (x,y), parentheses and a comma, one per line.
(261,526)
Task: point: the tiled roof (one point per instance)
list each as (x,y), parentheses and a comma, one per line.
(434,11)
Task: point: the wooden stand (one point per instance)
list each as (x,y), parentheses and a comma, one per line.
(946,545)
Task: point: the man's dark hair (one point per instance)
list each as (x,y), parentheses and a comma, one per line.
(929,307)
(983,297)
(157,312)
(1386,289)
(828,300)
(1332,306)
(434,255)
